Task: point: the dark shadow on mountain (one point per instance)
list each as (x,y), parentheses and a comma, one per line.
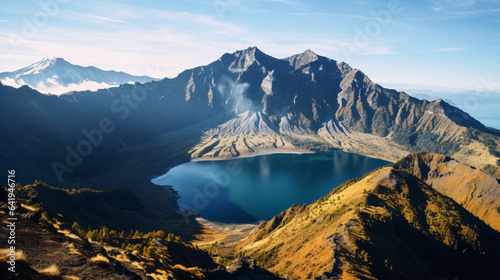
(221,209)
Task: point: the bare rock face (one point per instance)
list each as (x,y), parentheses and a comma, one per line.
(244,102)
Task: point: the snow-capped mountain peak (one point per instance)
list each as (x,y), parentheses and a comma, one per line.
(55,75)
(38,67)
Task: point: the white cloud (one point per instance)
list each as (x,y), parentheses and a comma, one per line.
(12,82)
(161,43)
(168,41)
(53,87)
(385,21)
(57,89)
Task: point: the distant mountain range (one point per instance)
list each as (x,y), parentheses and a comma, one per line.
(432,97)
(242,103)
(56,76)
(480,104)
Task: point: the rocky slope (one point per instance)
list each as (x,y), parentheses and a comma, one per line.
(319,103)
(242,103)
(388,225)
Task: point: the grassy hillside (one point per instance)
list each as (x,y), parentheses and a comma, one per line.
(419,218)
(120,208)
(476,191)
(387,225)
(50,247)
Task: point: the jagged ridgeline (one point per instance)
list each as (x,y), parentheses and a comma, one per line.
(393,223)
(242,103)
(424,217)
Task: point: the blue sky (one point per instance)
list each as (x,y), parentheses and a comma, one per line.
(434,44)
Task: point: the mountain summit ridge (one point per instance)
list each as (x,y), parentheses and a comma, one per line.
(305,101)
(301,59)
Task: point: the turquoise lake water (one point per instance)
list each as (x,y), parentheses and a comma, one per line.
(246,190)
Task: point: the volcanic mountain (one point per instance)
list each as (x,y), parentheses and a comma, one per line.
(56,76)
(242,103)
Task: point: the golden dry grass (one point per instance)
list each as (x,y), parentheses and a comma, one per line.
(161,275)
(138,265)
(123,257)
(308,230)
(72,249)
(67,233)
(31,208)
(476,191)
(193,270)
(70,277)
(311,232)
(20,256)
(52,270)
(99,259)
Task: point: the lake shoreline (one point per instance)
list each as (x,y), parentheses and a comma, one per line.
(259,153)
(242,190)
(226,227)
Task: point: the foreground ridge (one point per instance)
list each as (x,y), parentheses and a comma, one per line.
(389,224)
(405,220)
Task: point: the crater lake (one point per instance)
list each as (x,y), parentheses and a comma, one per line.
(245,190)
